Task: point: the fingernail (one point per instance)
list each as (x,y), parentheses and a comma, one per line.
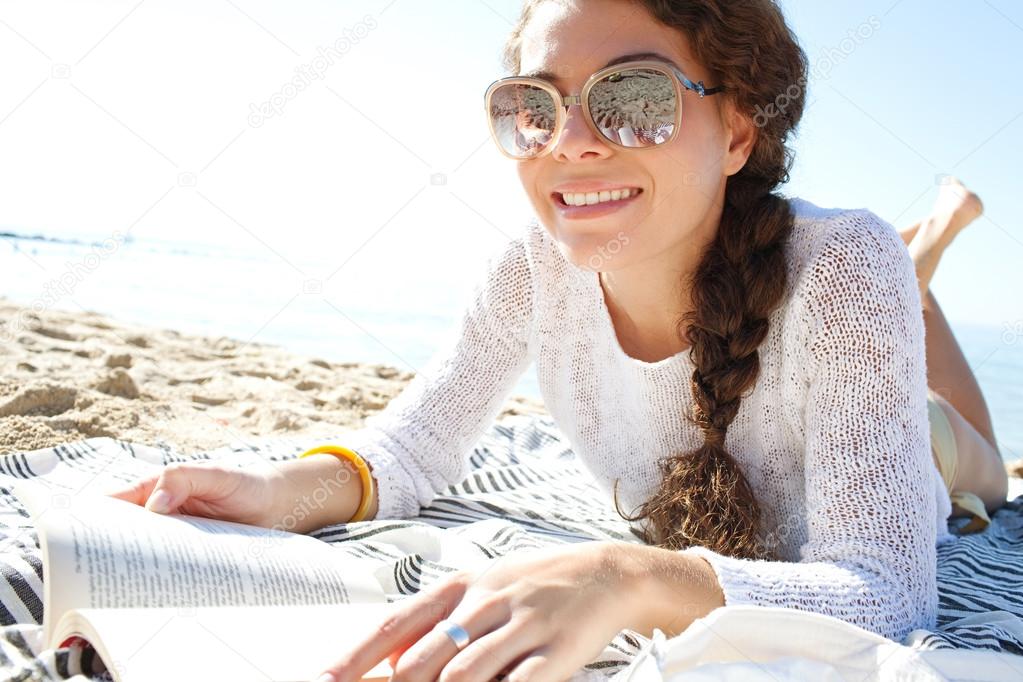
(326,677)
(160,503)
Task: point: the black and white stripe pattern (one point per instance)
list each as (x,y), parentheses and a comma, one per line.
(525,490)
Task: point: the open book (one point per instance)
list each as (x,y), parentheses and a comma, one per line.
(177,597)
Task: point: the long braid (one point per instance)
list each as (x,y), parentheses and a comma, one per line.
(704,498)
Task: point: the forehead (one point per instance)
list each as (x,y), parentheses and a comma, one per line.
(567,40)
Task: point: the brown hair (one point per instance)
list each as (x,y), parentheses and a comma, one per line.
(704,498)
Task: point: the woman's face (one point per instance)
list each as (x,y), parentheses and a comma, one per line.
(681,183)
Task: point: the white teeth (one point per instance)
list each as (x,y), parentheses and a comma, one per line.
(590,198)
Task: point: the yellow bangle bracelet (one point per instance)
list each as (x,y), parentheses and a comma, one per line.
(360,465)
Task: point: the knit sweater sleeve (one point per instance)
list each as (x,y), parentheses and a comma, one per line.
(420,442)
(870,556)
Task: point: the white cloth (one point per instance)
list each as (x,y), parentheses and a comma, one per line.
(834,438)
(748,643)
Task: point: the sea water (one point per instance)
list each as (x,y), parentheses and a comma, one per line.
(253,296)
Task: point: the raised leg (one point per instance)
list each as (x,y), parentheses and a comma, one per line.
(981,469)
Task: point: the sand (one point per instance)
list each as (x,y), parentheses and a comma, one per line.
(66,376)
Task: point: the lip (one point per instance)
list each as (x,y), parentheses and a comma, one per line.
(595,210)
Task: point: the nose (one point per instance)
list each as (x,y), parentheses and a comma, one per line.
(578,141)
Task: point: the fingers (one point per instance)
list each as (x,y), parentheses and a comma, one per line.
(490,644)
(406,625)
(180,482)
(486,657)
(165,492)
(137,492)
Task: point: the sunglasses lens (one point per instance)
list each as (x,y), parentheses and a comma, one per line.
(523,118)
(635,107)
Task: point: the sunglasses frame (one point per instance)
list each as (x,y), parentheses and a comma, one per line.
(561,103)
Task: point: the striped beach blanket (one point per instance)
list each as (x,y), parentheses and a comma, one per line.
(525,490)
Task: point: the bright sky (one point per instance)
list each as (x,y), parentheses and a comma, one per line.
(140,115)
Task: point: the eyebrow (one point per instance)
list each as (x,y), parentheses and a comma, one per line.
(549,76)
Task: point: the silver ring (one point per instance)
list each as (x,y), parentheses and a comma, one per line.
(455,631)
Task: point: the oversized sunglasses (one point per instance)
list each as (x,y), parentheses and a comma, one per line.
(634,105)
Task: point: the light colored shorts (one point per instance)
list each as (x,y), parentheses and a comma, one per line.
(946,456)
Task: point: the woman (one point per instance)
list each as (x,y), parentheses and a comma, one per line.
(744,373)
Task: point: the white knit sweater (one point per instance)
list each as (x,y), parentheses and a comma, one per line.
(833,439)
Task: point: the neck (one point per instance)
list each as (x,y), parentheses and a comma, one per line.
(647,299)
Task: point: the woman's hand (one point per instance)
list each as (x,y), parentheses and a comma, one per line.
(538,615)
(207,489)
(296,495)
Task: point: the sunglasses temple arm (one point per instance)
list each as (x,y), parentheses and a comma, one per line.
(698,87)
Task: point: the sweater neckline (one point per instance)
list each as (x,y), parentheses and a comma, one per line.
(680,358)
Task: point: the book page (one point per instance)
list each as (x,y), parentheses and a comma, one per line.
(278,643)
(102,552)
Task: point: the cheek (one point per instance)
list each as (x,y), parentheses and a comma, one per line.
(700,146)
(523,169)
(688,172)
(529,175)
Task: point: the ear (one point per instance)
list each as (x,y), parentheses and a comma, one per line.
(742,135)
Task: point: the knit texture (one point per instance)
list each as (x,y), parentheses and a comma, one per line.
(833,439)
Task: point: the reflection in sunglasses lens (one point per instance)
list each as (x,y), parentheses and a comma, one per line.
(635,107)
(523,117)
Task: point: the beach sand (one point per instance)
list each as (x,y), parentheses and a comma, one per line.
(66,376)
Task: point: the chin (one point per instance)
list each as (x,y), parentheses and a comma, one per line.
(599,250)
(577,258)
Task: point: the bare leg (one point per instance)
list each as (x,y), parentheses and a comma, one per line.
(981,469)
(950,376)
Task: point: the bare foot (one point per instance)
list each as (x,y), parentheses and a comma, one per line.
(955,208)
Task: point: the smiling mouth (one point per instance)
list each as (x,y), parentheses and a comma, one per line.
(574,199)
